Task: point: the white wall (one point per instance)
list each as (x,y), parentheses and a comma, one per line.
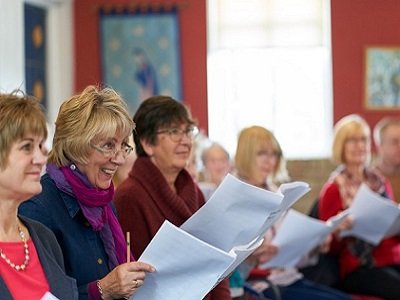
(11,45)
(59,49)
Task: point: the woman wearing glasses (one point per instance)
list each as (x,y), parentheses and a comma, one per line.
(158,186)
(90,143)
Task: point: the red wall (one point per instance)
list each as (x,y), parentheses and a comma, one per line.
(192,20)
(357,24)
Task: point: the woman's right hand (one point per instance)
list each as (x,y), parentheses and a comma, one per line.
(346,224)
(263,253)
(124,280)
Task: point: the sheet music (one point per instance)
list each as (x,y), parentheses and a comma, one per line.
(186,267)
(238,213)
(298,235)
(367,210)
(49,296)
(192,259)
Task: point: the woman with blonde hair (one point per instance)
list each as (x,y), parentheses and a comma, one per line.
(259,161)
(364,268)
(90,143)
(31,262)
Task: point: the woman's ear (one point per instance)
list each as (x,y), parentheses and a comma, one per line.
(147,147)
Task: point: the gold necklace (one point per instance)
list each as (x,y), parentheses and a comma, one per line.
(23,266)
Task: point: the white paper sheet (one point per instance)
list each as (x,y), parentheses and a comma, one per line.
(395,228)
(192,259)
(49,296)
(291,193)
(298,235)
(238,213)
(241,253)
(187,268)
(373,216)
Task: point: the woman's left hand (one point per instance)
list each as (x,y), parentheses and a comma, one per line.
(124,280)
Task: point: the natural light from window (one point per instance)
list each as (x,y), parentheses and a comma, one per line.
(269,64)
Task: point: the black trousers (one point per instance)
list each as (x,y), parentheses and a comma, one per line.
(381,282)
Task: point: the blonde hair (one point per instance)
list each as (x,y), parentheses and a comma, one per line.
(20,114)
(252,140)
(345,128)
(89,116)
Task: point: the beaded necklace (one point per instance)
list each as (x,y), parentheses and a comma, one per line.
(22,266)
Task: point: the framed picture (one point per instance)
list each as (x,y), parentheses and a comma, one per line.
(141,54)
(382,79)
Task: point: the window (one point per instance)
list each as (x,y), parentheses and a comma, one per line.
(269,64)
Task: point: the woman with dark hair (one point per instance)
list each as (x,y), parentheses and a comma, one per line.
(159,187)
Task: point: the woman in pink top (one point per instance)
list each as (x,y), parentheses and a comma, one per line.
(31,262)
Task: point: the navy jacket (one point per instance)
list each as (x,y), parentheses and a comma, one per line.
(83,250)
(50,256)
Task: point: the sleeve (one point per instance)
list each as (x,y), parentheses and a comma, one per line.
(34,209)
(220,292)
(50,242)
(330,203)
(131,216)
(93,291)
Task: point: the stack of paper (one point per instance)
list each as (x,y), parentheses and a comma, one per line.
(374,216)
(298,235)
(192,259)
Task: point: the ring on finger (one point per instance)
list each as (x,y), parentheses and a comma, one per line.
(135,284)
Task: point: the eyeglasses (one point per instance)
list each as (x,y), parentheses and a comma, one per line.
(356,140)
(268,154)
(176,134)
(109,150)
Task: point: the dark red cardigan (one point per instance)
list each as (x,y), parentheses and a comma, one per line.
(145,200)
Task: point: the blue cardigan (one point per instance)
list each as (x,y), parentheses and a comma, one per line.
(50,256)
(84,255)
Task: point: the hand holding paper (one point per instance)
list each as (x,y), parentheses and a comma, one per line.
(192,259)
(299,234)
(367,210)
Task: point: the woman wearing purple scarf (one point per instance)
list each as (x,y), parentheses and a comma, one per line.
(90,143)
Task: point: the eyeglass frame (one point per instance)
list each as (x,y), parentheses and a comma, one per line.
(190,132)
(113,153)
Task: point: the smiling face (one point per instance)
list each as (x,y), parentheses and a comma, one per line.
(101,166)
(20,177)
(169,156)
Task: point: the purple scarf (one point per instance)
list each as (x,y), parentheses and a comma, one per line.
(95,206)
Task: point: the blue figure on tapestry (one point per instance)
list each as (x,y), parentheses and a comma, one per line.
(140,55)
(145,74)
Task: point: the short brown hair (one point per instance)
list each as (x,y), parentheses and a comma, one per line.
(154,113)
(20,114)
(93,114)
(380,128)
